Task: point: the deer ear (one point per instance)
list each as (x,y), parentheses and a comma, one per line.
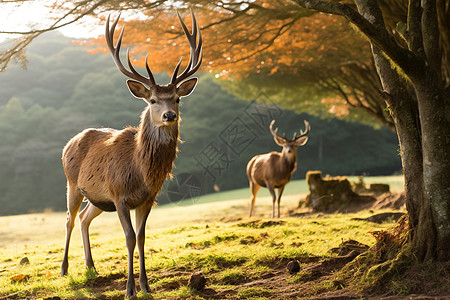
(301,141)
(279,140)
(186,87)
(138,90)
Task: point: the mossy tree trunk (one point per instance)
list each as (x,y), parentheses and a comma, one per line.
(415,80)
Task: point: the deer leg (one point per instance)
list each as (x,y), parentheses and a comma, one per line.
(280,192)
(86,216)
(254,189)
(141,219)
(272,192)
(74,199)
(125,220)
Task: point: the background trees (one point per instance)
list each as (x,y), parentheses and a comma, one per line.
(66,90)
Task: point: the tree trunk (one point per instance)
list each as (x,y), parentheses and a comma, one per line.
(423,129)
(404,110)
(435,125)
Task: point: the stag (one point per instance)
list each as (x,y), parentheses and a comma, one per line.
(273,170)
(121,170)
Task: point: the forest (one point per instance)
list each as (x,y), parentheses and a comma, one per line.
(65,89)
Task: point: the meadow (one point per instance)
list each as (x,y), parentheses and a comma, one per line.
(241,257)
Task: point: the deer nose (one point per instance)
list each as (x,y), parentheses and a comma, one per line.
(169,117)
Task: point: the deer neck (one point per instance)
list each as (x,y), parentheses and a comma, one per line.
(156,150)
(290,160)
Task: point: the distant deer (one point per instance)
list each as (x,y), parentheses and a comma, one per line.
(120,170)
(273,170)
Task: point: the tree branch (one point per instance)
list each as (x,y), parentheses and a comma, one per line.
(371,24)
(430,30)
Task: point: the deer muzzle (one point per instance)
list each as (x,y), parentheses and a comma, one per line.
(169,117)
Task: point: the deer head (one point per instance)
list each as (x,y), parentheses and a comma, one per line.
(290,146)
(163,100)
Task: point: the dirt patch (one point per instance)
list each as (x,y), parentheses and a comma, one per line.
(388,200)
(105,283)
(260,223)
(345,248)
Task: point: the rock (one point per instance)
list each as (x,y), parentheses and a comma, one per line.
(293,267)
(24,261)
(197,282)
(384,217)
(379,188)
(331,194)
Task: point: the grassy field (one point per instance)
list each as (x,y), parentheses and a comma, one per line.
(213,236)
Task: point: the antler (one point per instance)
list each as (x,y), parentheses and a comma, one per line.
(196,51)
(109,35)
(302,133)
(195,59)
(275,132)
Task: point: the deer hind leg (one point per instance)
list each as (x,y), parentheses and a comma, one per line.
(74,199)
(280,192)
(254,188)
(86,216)
(130,236)
(141,219)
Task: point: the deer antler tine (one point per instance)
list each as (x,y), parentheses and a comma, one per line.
(307,127)
(196,52)
(129,62)
(149,72)
(274,132)
(175,72)
(306,131)
(115,52)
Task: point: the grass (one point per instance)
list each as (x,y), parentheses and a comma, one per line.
(180,240)
(227,253)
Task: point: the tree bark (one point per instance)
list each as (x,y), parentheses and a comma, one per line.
(435,125)
(424,144)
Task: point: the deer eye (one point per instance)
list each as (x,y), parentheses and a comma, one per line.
(178,100)
(152,101)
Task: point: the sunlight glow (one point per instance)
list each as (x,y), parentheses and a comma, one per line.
(33,15)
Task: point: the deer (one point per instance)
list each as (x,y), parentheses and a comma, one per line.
(122,170)
(273,170)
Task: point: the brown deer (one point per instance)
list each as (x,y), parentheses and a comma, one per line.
(120,170)
(273,170)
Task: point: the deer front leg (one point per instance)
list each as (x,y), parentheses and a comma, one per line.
(272,192)
(254,188)
(125,220)
(86,216)
(280,192)
(141,219)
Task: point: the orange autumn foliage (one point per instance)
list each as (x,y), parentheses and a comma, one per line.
(242,47)
(274,39)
